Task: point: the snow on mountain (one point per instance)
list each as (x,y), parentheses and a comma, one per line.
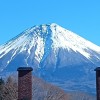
(56,54)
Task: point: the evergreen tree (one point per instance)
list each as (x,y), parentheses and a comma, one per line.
(1,81)
(1,88)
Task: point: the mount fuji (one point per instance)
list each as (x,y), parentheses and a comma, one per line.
(57,55)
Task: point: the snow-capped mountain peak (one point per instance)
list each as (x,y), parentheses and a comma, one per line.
(49,36)
(56,54)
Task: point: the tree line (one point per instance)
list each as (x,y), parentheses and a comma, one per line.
(41,91)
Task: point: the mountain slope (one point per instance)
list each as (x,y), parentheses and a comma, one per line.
(56,54)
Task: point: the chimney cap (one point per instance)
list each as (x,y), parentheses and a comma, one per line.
(97,69)
(25,68)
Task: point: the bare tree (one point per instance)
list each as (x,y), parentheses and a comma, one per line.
(81,96)
(9,89)
(41,91)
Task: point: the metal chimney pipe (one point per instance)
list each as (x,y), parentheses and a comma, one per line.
(98,82)
(24,83)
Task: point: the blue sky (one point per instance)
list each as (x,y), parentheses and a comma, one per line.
(79,16)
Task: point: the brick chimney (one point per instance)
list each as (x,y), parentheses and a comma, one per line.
(98,82)
(24,83)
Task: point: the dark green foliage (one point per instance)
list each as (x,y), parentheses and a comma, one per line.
(25,99)
(1,88)
(1,81)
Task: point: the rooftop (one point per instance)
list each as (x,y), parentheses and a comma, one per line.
(25,68)
(97,69)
